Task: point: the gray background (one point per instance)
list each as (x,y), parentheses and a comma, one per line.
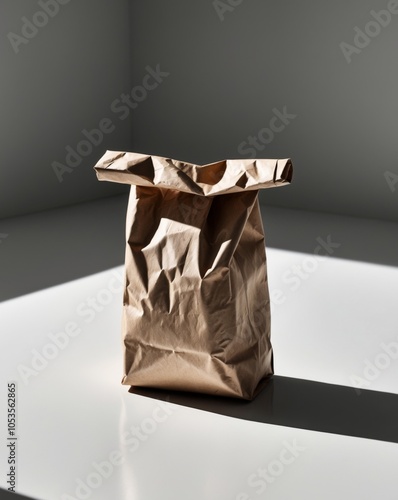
(227,76)
(63,81)
(225,79)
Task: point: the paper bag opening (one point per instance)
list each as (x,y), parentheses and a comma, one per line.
(227,176)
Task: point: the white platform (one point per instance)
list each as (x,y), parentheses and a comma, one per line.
(73,414)
(338,323)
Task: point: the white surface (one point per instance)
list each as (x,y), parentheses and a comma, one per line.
(331,324)
(74,412)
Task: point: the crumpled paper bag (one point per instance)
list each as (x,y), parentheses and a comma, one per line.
(196,312)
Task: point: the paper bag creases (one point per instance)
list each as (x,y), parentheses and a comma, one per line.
(222,177)
(196,304)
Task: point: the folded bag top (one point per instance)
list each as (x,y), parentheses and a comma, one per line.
(222,177)
(196,311)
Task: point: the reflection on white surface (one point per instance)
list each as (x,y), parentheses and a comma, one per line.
(82,435)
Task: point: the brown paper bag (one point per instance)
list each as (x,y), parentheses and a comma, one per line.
(196,304)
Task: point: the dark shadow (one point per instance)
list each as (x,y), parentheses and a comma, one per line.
(367,240)
(55,246)
(303,404)
(7,495)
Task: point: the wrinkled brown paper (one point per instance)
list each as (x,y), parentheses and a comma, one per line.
(196,303)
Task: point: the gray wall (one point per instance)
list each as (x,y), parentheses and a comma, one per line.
(227,76)
(61,82)
(228,73)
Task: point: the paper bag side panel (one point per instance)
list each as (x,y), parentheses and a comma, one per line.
(196,309)
(256,363)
